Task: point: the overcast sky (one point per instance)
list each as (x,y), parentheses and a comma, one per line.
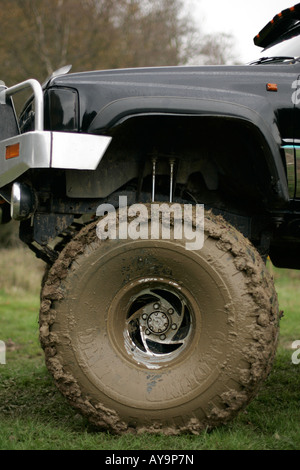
(242,19)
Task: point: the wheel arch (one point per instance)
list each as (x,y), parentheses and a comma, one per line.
(197,129)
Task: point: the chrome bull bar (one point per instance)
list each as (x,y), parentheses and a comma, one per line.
(38,99)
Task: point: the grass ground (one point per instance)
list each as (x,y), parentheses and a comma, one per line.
(33,414)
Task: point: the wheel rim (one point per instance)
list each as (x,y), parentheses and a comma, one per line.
(156,318)
(159,321)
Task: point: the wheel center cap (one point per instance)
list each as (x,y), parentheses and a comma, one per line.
(158,322)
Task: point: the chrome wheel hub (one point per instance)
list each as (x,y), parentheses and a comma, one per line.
(158,322)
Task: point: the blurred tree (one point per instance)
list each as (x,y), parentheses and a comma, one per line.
(39,36)
(217,50)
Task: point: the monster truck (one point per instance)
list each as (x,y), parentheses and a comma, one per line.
(140,333)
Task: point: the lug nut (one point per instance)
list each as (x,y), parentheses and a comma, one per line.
(156,306)
(174,326)
(162,337)
(170,311)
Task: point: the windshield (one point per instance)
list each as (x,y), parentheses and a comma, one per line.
(290,47)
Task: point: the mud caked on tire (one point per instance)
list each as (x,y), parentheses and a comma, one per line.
(145,335)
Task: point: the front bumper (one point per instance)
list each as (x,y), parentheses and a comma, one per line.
(45,149)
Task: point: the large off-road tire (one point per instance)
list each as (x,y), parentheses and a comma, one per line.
(145,335)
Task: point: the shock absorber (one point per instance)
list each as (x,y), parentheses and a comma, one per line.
(154,160)
(154,167)
(172,163)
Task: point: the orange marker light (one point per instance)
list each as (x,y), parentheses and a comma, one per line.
(12,151)
(272,87)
